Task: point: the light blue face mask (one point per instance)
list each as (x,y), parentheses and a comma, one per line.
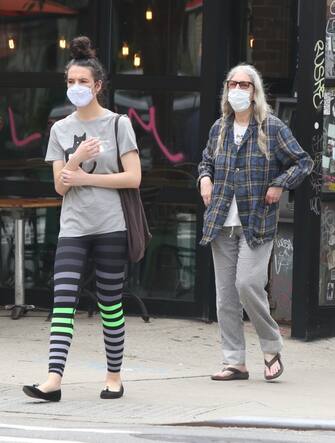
(79,95)
(239,99)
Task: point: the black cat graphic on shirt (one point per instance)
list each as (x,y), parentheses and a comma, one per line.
(76,142)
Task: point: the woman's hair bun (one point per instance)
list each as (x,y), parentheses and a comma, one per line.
(81,48)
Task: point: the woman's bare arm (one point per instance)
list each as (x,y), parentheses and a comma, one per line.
(130,178)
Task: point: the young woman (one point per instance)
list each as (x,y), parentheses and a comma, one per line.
(82,149)
(250,158)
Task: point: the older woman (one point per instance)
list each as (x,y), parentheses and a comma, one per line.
(250,158)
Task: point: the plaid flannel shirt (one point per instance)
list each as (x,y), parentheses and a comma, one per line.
(248,174)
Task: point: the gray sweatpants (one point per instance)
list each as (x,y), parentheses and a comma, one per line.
(240,277)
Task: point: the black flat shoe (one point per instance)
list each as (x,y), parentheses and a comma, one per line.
(34,392)
(106,393)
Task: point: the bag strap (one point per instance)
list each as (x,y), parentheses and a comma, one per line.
(116,127)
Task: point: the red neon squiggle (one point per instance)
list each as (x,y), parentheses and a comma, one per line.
(151,127)
(24,141)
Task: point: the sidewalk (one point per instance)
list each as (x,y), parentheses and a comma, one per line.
(166,374)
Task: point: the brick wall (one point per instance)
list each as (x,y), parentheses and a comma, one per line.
(271,25)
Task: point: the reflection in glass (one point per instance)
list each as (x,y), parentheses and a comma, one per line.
(41,232)
(35,36)
(165,35)
(166,126)
(171,253)
(271,36)
(26,116)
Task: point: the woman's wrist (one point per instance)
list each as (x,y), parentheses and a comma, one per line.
(73,162)
(206,178)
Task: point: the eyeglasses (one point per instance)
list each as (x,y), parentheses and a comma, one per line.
(243,85)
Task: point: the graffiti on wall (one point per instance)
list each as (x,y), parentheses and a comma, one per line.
(281,273)
(283,255)
(318,97)
(316,175)
(327,255)
(319,74)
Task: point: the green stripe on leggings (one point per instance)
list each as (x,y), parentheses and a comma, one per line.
(116,315)
(68,321)
(110,308)
(61,329)
(113,323)
(63,311)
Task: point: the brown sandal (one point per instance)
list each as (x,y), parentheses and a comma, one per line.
(270,363)
(236,374)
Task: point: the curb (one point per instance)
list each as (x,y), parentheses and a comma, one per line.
(265,422)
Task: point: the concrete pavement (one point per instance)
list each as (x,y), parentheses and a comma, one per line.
(166,375)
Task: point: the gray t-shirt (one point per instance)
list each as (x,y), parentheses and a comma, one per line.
(88,209)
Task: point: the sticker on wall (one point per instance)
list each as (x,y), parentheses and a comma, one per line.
(328,156)
(330,40)
(330,292)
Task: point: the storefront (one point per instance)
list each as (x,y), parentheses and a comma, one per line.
(166,60)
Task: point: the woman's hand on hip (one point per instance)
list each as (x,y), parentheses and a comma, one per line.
(206,189)
(87,150)
(73,178)
(273,195)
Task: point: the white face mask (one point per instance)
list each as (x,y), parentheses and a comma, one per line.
(239,99)
(79,95)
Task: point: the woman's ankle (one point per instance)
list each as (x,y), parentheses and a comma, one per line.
(240,367)
(113,378)
(52,383)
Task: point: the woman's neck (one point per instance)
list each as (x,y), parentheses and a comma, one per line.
(243,118)
(91,111)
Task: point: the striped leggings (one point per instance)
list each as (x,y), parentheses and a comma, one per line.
(109,254)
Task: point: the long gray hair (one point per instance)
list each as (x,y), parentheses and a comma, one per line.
(261,108)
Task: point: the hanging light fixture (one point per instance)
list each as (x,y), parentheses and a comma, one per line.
(137,60)
(11,43)
(251,38)
(148,14)
(62,43)
(125,49)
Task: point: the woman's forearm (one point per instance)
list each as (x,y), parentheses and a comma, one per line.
(72,165)
(61,189)
(118,180)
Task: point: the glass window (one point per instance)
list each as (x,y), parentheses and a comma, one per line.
(166,126)
(156,37)
(35,35)
(41,233)
(171,253)
(26,115)
(271,36)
